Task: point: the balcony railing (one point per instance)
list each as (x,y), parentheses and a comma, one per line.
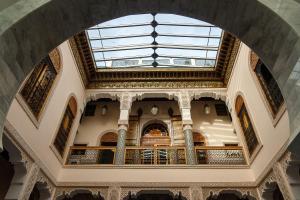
(218,155)
(91,155)
(155,156)
(206,155)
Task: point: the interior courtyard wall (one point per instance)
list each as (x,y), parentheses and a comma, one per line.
(40,138)
(92,128)
(217,130)
(272,137)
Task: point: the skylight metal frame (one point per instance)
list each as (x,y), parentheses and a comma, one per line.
(152,46)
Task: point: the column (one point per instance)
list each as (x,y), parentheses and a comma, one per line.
(125,105)
(282,181)
(185,108)
(120,153)
(189,144)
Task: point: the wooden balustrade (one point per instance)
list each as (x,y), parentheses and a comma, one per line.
(144,155)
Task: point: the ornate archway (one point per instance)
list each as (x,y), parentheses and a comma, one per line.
(21,50)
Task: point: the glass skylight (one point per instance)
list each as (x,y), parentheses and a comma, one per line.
(154,40)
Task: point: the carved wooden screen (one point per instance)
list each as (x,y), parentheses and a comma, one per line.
(177,131)
(38,85)
(246,124)
(65,127)
(268,84)
(132,133)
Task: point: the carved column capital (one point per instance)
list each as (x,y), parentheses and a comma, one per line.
(187,127)
(123,127)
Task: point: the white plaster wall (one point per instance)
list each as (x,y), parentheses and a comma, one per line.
(156,175)
(39,139)
(92,128)
(272,137)
(217,130)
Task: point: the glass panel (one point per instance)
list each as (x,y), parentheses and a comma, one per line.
(179,30)
(118,51)
(127,41)
(182,61)
(182,41)
(137,30)
(181,52)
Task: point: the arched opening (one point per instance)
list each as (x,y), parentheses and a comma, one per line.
(251,139)
(155,134)
(109,139)
(40,191)
(230,195)
(38,85)
(272,192)
(154,195)
(81,195)
(268,84)
(13,171)
(63,133)
(6,173)
(106,156)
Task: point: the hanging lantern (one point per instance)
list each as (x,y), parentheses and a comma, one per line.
(154,110)
(206,109)
(103,110)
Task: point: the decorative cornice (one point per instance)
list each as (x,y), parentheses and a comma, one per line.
(231,60)
(156,85)
(155,77)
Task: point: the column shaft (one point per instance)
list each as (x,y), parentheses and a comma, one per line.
(120,153)
(189,145)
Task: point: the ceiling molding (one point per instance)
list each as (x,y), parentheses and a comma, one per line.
(155,77)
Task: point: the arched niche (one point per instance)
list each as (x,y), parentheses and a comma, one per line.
(109,139)
(155,133)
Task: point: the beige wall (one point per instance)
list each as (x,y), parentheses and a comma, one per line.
(272,137)
(40,138)
(216,129)
(92,128)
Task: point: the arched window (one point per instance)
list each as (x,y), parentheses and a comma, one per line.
(65,126)
(246,125)
(268,84)
(38,85)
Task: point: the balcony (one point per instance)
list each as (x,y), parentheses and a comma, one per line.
(157,156)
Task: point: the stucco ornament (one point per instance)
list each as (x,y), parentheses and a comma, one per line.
(154,110)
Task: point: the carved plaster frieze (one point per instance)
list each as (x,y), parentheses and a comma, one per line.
(196,193)
(114,193)
(282,182)
(156,85)
(30,182)
(269,179)
(42,178)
